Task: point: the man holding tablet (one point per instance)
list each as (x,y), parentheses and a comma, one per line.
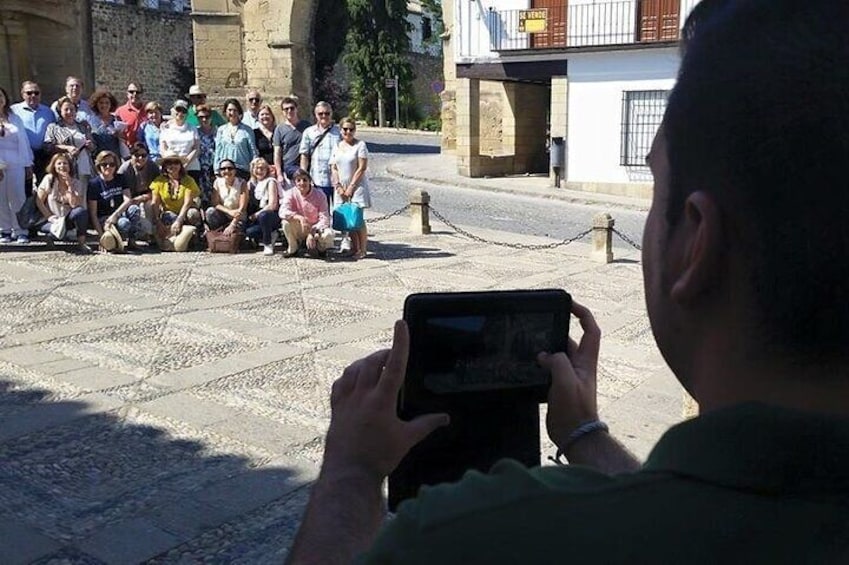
(744,265)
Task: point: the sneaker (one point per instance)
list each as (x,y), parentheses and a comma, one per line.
(23,239)
(287,253)
(84,249)
(345,246)
(267,249)
(6,238)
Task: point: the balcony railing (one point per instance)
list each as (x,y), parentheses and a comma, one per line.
(617,22)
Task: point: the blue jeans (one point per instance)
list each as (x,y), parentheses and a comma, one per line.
(77,220)
(266,223)
(130,222)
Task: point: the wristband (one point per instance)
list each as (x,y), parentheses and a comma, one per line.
(584,428)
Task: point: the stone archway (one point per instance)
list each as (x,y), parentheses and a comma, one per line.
(45,41)
(263,44)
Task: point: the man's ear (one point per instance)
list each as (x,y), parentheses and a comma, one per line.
(700,244)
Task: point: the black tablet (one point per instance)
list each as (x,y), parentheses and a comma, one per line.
(473,355)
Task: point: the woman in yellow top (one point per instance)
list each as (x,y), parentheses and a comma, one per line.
(174,193)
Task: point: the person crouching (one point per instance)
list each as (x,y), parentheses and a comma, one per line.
(305,218)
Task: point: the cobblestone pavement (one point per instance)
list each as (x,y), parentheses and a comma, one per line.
(171,407)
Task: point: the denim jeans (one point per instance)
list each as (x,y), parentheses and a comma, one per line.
(266,223)
(77,220)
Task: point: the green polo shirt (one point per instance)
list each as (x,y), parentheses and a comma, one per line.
(215,118)
(748,484)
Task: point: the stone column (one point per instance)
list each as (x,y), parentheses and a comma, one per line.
(468,127)
(602,251)
(420,212)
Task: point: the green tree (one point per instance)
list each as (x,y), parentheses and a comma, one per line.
(376,49)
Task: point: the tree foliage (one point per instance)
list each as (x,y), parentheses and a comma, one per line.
(376,49)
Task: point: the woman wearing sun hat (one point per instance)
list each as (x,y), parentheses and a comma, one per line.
(175,214)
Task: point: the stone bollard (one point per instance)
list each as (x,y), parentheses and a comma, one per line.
(602,251)
(420,212)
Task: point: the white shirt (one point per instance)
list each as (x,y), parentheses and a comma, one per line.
(181,140)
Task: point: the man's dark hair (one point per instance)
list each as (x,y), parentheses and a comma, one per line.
(760,118)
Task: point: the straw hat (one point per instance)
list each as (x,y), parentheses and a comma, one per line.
(196,90)
(169,156)
(111,239)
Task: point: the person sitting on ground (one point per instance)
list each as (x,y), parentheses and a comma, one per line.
(305,218)
(349,162)
(264,205)
(61,198)
(748,306)
(107,131)
(110,202)
(229,205)
(138,174)
(175,215)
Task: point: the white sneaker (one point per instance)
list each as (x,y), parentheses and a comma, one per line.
(267,249)
(345,246)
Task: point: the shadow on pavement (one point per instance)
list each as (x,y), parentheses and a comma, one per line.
(81,486)
(405,149)
(399,251)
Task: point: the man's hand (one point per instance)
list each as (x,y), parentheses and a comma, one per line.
(305,225)
(572,396)
(366,436)
(176,227)
(365,442)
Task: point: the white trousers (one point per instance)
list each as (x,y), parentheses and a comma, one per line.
(12,197)
(295,235)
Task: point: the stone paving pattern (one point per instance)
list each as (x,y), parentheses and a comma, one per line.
(171,408)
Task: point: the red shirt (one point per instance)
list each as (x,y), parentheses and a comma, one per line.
(131,116)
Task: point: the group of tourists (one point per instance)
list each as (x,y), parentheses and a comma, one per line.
(130,174)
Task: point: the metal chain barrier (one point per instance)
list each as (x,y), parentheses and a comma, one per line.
(628,240)
(525,246)
(389,215)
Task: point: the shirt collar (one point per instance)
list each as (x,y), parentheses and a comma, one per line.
(758,447)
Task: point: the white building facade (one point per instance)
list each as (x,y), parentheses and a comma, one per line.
(603,68)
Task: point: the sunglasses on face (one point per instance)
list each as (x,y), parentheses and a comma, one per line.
(322,113)
(32,92)
(254,99)
(227,169)
(348,129)
(180,110)
(140,155)
(108,165)
(203,117)
(134,92)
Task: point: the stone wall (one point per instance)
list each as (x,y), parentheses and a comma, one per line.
(133,44)
(44,41)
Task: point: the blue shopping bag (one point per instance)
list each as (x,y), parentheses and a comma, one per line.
(348,217)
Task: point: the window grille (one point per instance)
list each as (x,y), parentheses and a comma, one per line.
(642,112)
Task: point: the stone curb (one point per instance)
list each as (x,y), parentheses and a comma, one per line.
(571,196)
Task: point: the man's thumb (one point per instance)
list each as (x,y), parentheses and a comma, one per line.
(423,426)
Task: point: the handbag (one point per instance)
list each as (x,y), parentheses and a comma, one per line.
(29,216)
(348,217)
(59,228)
(219,242)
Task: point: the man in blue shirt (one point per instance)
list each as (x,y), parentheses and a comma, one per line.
(36,117)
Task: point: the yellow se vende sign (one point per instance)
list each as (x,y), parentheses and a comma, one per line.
(533,21)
